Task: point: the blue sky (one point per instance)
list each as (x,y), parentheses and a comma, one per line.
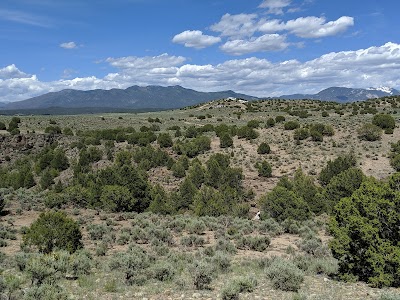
(258,47)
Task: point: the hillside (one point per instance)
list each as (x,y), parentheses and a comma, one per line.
(164,203)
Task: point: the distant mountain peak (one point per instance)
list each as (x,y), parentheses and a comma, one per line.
(343,94)
(384,89)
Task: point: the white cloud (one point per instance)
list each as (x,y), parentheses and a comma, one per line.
(314,27)
(237,26)
(69,45)
(146,62)
(275,6)
(266,42)
(12,71)
(195,39)
(373,66)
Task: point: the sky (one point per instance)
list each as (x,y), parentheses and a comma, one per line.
(258,47)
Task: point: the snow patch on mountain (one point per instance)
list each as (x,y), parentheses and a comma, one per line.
(384,89)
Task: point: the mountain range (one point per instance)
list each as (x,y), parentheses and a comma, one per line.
(158,97)
(342,94)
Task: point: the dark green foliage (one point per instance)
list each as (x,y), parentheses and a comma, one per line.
(342,185)
(178,170)
(279,119)
(191,132)
(149,157)
(193,147)
(291,125)
(165,140)
(384,121)
(247,132)
(264,148)
(304,187)
(369,132)
(13,125)
(282,203)
(395,162)
(17,175)
(270,122)
(365,242)
(2,126)
(117,198)
(395,156)
(52,157)
(197,174)
(2,203)
(333,168)
(225,140)
(316,136)
(47,179)
(53,129)
(253,123)
(264,169)
(68,131)
(220,174)
(300,113)
(301,134)
(54,230)
(325,114)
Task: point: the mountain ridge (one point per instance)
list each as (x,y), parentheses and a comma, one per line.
(343,94)
(158,97)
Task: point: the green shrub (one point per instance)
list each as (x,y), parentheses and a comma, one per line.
(343,185)
(53,130)
(301,134)
(117,198)
(264,148)
(369,132)
(54,230)
(247,132)
(264,169)
(279,119)
(285,275)
(256,243)
(2,203)
(2,126)
(291,125)
(225,140)
(165,140)
(384,121)
(134,264)
(333,168)
(46,292)
(365,243)
(270,122)
(202,274)
(282,203)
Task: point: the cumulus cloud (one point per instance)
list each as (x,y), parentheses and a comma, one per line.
(12,71)
(237,26)
(266,42)
(195,39)
(314,27)
(373,66)
(69,45)
(309,27)
(275,6)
